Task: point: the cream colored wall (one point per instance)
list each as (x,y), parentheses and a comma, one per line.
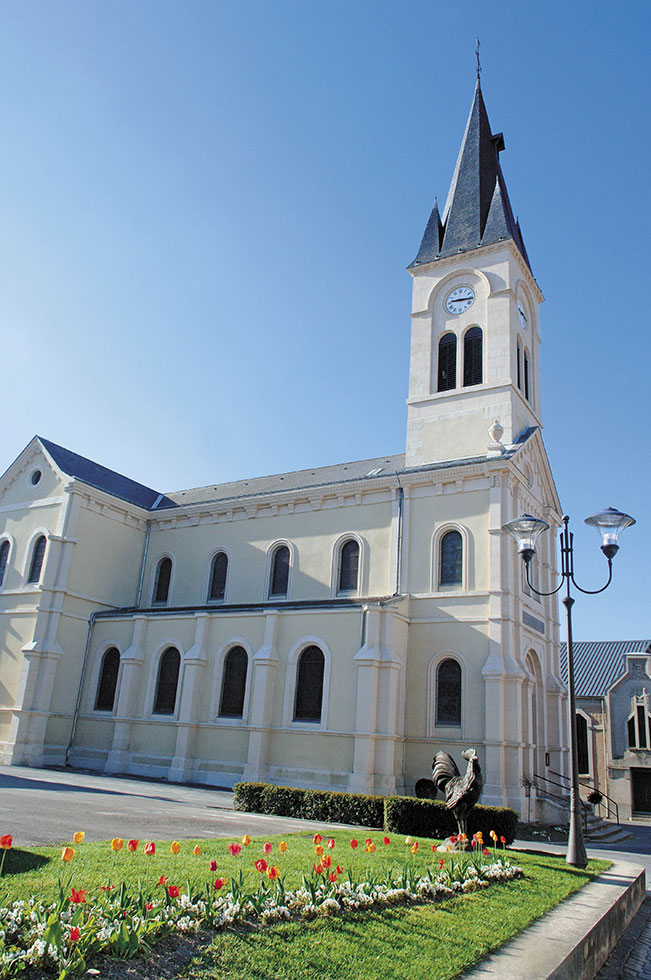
(313,535)
(106,561)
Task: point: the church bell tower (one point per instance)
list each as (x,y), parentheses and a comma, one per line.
(475,337)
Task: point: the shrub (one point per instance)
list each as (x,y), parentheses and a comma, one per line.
(425,789)
(400,814)
(430,818)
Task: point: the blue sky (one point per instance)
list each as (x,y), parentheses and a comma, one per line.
(208,209)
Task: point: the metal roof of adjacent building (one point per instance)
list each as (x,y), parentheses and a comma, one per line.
(598,664)
(478,210)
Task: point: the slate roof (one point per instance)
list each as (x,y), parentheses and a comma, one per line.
(478,210)
(322,476)
(104,479)
(598,664)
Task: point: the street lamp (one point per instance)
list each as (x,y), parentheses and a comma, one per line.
(609,523)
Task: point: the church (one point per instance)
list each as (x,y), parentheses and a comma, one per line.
(327,628)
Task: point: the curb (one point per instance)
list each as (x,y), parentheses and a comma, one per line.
(574,940)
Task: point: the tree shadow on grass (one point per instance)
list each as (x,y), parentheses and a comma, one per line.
(18,861)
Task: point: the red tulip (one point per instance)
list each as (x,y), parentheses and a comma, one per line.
(132,845)
(213,865)
(317,839)
(385,840)
(485,851)
(219,883)
(441,863)
(354,843)
(332,876)
(331,843)
(78,897)
(452,839)
(150,848)
(173,891)
(267,848)
(74,934)
(340,871)
(234,849)
(6,841)
(318,868)
(149,906)
(261,866)
(107,888)
(162,880)
(369,840)
(502,840)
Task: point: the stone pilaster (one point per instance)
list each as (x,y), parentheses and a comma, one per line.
(263,677)
(129,683)
(194,667)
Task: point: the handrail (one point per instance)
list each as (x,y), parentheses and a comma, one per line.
(610,803)
(557,796)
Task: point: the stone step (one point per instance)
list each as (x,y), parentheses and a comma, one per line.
(609,834)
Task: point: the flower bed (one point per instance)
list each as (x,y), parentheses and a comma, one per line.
(121,921)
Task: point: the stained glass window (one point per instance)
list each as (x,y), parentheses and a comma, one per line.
(348,566)
(309,685)
(167,683)
(108,680)
(163,577)
(279,571)
(218,576)
(234,683)
(448,693)
(451,559)
(37,560)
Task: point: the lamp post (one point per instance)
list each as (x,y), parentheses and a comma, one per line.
(609,523)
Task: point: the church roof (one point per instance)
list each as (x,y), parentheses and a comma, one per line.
(598,664)
(96,475)
(478,210)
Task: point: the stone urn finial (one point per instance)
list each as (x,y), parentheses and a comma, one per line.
(495,433)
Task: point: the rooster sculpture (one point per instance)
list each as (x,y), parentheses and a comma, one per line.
(461,792)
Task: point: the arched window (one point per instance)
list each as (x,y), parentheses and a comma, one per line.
(472,357)
(162,584)
(519,366)
(167,682)
(218,571)
(4,556)
(582,754)
(451,564)
(231,704)
(447,373)
(309,685)
(448,693)
(526,376)
(279,580)
(639,723)
(348,566)
(37,560)
(108,680)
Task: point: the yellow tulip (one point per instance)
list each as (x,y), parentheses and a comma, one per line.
(282,846)
(408,841)
(117,844)
(246,840)
(175,847)
(78,836)
(67,854)
(318,850)
(196,850)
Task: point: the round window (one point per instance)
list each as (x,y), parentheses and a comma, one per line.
(35,477)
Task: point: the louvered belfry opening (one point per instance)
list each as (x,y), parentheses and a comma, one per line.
(218,576)
(348,566)
(279,572)
(448,693)
(37,560)
(163,578)
(167,683)
(309,685)
(447,370)
(231,704)
(108,680)
(472,357)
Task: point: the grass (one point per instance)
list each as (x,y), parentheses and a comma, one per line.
(438,941)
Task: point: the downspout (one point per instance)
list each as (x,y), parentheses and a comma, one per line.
(75,717)
(144,562)
(401,501)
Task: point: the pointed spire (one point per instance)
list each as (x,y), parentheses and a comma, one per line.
(430,246)
(477,210)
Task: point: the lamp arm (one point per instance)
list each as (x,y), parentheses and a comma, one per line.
(533,589)
(595,591)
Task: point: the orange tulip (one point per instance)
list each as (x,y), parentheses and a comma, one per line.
(326,860)
(370,848)
(67,854)
(196,850)
(318,850)
(282,847)
(117,844)
(414,847)
(78,897)
(78,836)
(272,873)
(175,847)
(246,840)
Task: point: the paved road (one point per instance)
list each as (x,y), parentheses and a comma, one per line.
(46,806)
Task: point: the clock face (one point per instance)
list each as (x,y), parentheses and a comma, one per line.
(522,314)
(460,299)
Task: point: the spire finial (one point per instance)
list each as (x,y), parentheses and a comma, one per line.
(478,61)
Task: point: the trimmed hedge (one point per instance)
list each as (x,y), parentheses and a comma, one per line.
(430,818)
(400,814)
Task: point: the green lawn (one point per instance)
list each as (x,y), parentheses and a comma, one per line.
(436,940)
